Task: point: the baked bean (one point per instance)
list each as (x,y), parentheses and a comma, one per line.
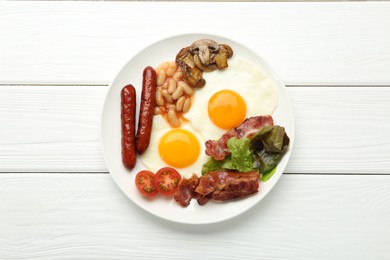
(173,120)
(161,76)
(187,89)
(167,96)
(180,103)
(178,75)
(172,67)
(187,105)
(159,98)
(163,66)
(171,86)
(178,92)
(173,94)
(165,85)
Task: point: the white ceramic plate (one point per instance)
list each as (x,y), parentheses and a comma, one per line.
(167,208)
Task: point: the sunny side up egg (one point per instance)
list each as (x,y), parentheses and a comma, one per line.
(181,148)
(240,91)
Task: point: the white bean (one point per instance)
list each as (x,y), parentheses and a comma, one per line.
(161,76)
(159,98)
(165,85)
(178,92)
(178,75)
(180,103)
(187,105)
(173,120)
(163,66)
(172,86)
(166,95)
(172,67)
(187,89)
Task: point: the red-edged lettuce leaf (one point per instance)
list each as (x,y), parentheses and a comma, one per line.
(269,145)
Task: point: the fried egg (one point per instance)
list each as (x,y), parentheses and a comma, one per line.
(180,148)
(240,91)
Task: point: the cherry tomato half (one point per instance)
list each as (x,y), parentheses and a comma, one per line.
(144,181)
(167,180)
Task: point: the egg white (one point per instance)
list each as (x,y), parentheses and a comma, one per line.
(152,159)
(245,78)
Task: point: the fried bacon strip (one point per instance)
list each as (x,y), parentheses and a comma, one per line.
(186,190)
(218,148)
(217,185)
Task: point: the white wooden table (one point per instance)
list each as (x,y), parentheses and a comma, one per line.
(57,199)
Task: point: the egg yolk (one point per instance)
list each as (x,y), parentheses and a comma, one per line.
(179,148)
(226,109)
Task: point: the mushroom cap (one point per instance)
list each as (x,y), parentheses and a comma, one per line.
(202,55)
(203,44)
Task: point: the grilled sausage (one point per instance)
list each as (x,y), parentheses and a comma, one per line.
(148,100)
(128,107)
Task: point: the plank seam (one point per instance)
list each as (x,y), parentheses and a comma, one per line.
(290,173)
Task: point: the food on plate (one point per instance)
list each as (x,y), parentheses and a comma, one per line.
(219,148)
(269,145)
(225,185)
(144,181)
(248,149)
(164,182)
(173,94)
(145,120)
(128,103)
(181,148)
(167,181)
(202,55)
(186,190)
(221,185)
(237,159)
(200,97)
(218,106)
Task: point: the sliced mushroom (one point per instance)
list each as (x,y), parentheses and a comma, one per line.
(202,55)
(192,74)
(227,49)
(207,68)
(221,60)
(225,52)
(204,48)
(212,45)
(195,78)
(185,58)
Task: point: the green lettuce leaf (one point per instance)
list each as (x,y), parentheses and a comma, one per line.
(239,159)
(267,175)
(211,165)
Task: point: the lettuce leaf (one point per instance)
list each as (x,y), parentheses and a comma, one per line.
(239,159)
(262,153)
(267,175)
(211,165)
(269,145)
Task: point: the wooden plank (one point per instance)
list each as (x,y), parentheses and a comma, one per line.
(85,216)
(51,128)
(341,130)
(57,129)
(87,42)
